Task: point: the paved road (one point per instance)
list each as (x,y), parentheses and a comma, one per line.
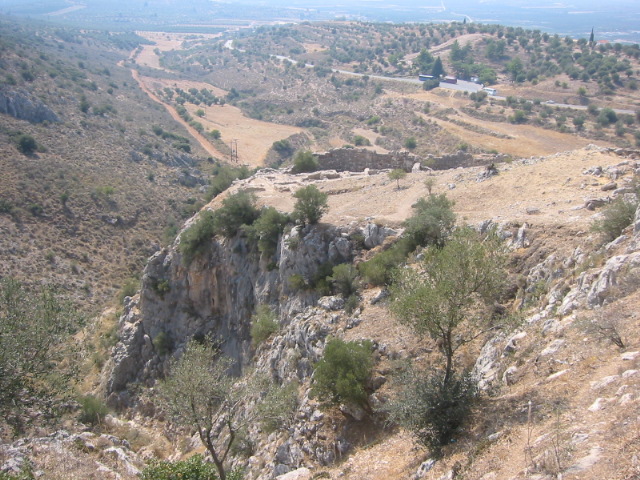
(461,86)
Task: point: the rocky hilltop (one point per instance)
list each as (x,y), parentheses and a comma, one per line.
(555,396)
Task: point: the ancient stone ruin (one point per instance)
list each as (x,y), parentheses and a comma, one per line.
(358,159)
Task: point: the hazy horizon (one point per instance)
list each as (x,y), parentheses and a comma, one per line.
(618,20)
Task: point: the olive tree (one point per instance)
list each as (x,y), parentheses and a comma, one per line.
(200,392)
(432,221)
(447,298)
(397,174)
(311,204)
(35,333)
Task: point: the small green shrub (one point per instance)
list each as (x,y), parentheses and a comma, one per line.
(185,147)
(344,279)
(6,206)
(431,83)
(284,148)
(267,228)
(410,143)
(129,288)
(310,206)
(26,144)
(304,161)
(342,373)
(194,239)
(277,408)
(351,304)
(93,410)
(224,177)
(163,343)
(297,282)
(616,217)
(432,221)
(380,269)
(25,474)
(237,210)
(264,323)
(397,174)
(161,287)
(360,141)
(433,410)
(36,209)
(194,468)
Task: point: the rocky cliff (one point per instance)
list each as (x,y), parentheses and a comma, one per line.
(545,382)
(22,105)
(215,295)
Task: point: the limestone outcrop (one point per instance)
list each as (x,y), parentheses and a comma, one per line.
(214,296)
(20,104)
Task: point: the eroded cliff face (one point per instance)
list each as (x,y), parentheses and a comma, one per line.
(21,104)
(214,296)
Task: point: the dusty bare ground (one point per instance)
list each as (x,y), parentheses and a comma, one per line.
(163,42)
(565,433)
(204,143)
(524,140)
(254,137)
(554,188)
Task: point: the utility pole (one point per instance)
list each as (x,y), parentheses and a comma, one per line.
(234,151)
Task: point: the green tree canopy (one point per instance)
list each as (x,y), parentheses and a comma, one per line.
(452,289)
(397,174)
(35,326)
(267,229)
(343,371)
(200,393)
(304,161)
(438,69)
(311,204)
(237,210)
(432,221)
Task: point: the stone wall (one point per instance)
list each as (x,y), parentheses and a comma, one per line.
(356,160)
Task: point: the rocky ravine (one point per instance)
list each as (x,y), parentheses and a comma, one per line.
(562,280)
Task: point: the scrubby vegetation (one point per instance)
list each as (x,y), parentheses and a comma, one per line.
(616,217)
(310,205)
(266,230)
(35,329)
(433,409)
(194,239)
(342,373)
(236,211)
(264,323)
(304,161)
(195,468)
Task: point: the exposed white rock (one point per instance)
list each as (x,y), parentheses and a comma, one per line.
(424,468)
(375,234)
(597,405)
(552,348)
(597,385)
(298,474)
(557,374)
(630,356)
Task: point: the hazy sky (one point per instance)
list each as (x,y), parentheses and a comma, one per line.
(614,20)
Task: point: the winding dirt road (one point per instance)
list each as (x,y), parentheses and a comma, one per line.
(204,143)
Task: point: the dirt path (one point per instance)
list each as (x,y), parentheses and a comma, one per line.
(520,140)
(253,138)
(204,143)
